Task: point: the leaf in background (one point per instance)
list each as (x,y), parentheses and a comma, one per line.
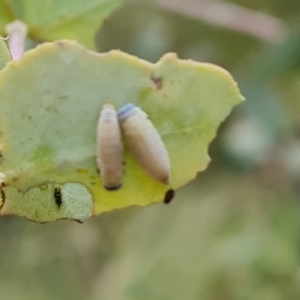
(48,20)
(4,53)
(50,102)
(6,15)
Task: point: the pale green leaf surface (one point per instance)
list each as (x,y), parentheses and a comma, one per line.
(5,56)
(49,106)
(79,20)
(38,204)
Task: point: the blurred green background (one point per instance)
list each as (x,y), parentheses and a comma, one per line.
(234,232)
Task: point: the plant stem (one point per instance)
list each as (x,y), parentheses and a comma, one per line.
(230,16)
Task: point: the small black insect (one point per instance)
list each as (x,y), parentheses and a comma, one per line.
(3,197)
(58,196)
(169,195)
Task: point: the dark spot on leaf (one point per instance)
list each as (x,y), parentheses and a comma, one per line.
(158,82)
(3,198)
(49,108)
(169,195)
(60,44)
(58,196)
(82,171)
(63,97)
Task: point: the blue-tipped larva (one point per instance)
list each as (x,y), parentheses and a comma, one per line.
(144,142)
(109,149)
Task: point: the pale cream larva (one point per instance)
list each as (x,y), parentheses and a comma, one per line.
(144,142)
(109,149)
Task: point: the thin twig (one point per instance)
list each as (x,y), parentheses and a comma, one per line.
(231,16)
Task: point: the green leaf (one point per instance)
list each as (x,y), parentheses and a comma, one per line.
(38,204)
(6,15)
(49,107)
(5,56)
(79,20)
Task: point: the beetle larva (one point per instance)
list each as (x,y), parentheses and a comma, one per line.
(144,142)
(109,149)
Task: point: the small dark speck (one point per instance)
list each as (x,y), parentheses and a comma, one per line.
(158,81)
(169,195)
(60,44)
(14,179)
(58,196)
(63,97)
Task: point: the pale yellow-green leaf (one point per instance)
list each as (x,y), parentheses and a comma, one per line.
(38,203)
(49,106)
(5,56)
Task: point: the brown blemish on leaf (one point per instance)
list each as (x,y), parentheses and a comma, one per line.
(82,171)
(63,97)
(60,44)
(158,81)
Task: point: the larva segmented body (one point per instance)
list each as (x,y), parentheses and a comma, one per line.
(144,142)
(109,149)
